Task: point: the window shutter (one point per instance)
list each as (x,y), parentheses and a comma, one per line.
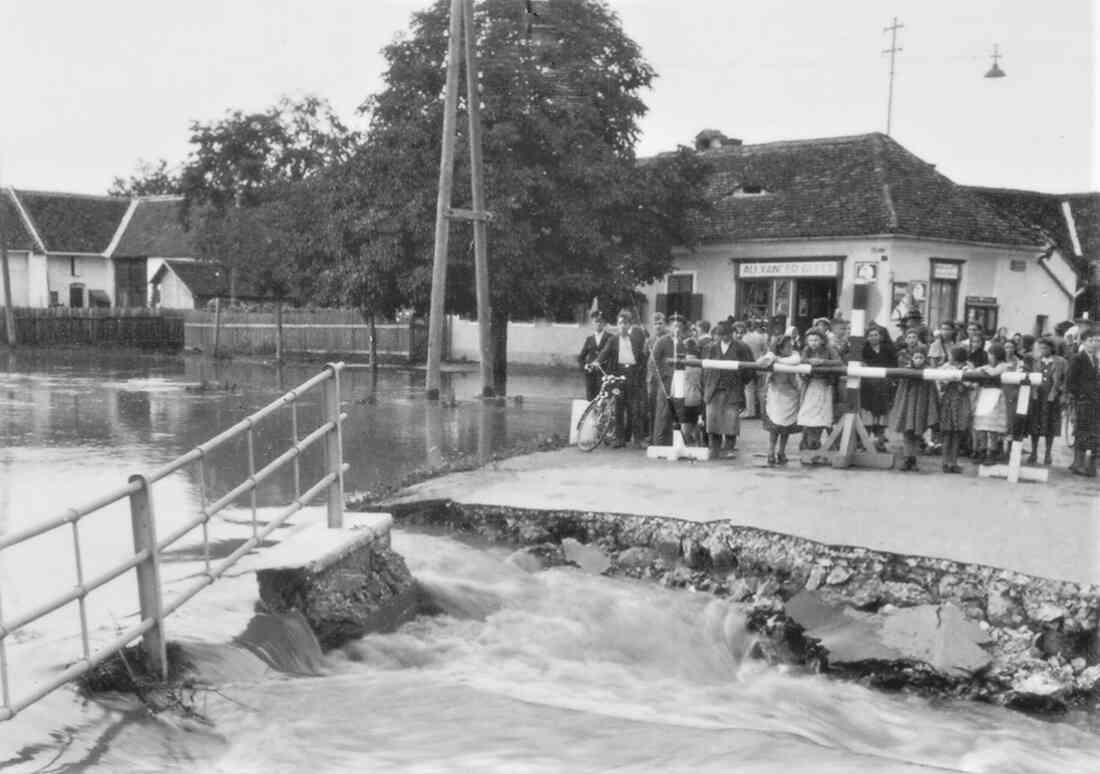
(696,306)
(662,303)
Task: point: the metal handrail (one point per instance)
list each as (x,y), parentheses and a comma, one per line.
(147,550)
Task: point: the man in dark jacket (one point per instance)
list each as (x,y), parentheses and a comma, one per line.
(624,354)
(1083,388)
(724,391)
(590,352)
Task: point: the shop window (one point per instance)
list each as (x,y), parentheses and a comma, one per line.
(983,311)
(55,299)
(76,295)
(756,298)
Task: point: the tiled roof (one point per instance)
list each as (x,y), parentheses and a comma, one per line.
(1044,213)
(18,238)
(1086,215)
(206,280)
(75,223)
(155,230)
(843,186)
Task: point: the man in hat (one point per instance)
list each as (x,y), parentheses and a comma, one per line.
(590,352)
(624,354)
(724,391)
(660,330)
(1083,388)
(664,360)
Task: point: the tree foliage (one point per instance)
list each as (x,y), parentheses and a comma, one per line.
(260,184)
(151,178)
(575,214)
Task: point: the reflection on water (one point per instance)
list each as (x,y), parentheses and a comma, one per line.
(123,414)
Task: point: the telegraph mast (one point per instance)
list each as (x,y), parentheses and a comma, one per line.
(892,51)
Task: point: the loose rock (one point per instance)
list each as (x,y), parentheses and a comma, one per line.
(588,557)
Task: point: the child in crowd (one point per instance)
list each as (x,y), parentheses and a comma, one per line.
(955,413)
(1044,416)
(990,415)
(876,395)
(909,343)
(916,407)
(781,400)
(816,410)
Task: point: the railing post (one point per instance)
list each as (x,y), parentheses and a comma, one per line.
(143,524)
(334,452)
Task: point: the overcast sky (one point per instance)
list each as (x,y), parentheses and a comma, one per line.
(90,88)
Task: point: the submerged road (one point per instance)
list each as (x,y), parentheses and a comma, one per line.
(1051,530)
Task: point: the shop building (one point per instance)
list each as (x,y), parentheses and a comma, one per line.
(796,223)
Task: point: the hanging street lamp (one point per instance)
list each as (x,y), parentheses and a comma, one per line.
(995,71)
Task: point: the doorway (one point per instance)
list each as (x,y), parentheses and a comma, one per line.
(814,298)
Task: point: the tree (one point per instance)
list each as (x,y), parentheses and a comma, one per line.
(151,178)
(256,182)
(575,214)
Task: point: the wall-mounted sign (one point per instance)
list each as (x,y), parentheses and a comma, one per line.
(981,300)
(866,271)
(1017,265)
(789,269)
(945,271)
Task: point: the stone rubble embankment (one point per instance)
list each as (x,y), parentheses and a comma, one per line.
(934,626)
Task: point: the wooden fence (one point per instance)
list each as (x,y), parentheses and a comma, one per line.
(64,326)
(317,331)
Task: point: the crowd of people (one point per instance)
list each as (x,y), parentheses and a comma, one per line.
(954,419)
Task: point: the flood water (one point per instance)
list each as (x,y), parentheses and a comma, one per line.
(552,672)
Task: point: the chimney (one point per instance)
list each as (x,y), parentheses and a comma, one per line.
(712,139)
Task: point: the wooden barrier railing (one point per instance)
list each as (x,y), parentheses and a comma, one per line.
(148,549)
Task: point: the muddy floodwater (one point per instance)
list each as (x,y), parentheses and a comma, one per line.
(553,672)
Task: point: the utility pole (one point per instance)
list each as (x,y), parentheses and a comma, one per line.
(892,51)
(477,195)
(443,204)
(5,276)
(461,26)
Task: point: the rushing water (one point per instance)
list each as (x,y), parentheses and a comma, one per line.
(550,672)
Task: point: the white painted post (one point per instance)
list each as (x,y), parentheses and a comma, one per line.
(143,524)
(334,453)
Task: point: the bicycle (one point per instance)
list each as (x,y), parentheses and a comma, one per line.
(597,423)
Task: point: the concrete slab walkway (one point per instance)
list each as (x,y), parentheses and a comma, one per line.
(1050,530)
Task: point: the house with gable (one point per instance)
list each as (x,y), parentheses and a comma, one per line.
(795,223)
(1070,226)
(80,250)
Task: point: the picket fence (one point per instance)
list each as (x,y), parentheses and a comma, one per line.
(313,331)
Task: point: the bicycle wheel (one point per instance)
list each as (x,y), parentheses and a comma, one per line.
(592,426)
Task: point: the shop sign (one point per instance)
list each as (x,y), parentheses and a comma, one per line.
(945,271)
(789,269)
(981,300)
(866,271)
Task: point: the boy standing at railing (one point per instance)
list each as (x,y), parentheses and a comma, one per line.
(955,411)
(1083,387)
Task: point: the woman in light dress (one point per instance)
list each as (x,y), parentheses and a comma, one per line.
(781,399)
(815,413)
